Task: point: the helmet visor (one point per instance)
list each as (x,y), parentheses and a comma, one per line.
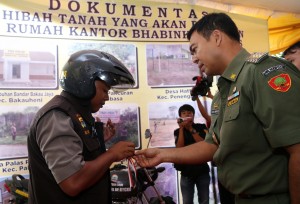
(116,81)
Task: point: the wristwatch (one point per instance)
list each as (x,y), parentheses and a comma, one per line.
(193,131)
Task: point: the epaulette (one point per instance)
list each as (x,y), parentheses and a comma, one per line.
(257,57)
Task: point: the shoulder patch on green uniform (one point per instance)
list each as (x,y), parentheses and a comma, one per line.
(257,57)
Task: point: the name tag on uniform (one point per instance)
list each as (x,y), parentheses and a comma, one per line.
(215,112)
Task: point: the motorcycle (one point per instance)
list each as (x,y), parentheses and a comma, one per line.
(128,185)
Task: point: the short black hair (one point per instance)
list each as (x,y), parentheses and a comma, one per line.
(291,49)
(210,22)
(186,107)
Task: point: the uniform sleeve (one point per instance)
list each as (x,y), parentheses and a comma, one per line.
(60,145)
(276,96)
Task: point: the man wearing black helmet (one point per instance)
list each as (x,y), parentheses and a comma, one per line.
(68,161)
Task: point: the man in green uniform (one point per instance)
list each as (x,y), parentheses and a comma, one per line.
(255,133)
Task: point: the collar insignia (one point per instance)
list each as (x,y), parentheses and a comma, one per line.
(232,76)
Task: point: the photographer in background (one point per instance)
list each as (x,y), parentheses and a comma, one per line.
(189,133)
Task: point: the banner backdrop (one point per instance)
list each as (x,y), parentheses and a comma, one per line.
(37,38)
(116,20)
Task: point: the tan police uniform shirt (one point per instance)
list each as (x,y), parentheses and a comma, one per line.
(63,152)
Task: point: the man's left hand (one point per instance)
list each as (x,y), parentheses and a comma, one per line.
(109,130)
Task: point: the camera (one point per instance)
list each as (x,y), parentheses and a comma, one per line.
(180,120)
(201,87)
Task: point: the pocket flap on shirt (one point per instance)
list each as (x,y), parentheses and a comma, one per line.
(232,112)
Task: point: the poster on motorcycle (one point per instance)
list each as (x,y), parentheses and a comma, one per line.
(144,185)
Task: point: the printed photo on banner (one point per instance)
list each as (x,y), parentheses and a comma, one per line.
(14,126)
(163,120)
(170,65)
(28,64)
(126,53)
(126,118)
(166,185)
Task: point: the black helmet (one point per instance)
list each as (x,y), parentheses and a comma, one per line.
(86,66)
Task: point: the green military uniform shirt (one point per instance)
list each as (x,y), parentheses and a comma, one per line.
(255,114)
